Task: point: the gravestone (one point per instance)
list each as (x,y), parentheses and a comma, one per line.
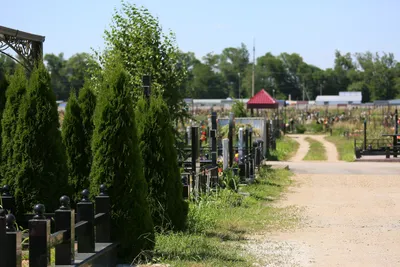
(225,153)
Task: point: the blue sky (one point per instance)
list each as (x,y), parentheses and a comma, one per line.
(312,28)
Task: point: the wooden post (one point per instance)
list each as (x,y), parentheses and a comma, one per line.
(39,237)
(86,242)
(65,220)
(103,230)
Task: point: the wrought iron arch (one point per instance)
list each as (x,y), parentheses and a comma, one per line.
(28,46)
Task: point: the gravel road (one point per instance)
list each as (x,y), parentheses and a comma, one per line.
(351,216)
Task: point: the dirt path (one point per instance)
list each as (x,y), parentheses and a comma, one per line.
(303,147)
(351,217)
(331,150)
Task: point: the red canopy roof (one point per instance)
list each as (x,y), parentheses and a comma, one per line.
(262,100)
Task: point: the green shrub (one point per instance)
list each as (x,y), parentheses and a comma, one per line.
(14,94)
(75,142)
(286,147)
(315,127)
(201,216)
(239,109)
(117,163)
(300,128)
(40,166)
(161,170)
(229,180)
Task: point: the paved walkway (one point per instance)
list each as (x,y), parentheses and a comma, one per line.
(351,216)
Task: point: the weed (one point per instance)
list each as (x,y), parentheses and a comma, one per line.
(345,147)
(286,147)
(317,150)
(219,223)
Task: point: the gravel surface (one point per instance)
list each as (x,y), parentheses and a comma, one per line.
(351,217)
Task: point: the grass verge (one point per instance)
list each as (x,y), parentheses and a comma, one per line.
(344,146)
(317,150)
(218,224)
(286,148)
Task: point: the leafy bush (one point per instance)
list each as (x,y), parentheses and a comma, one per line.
(117,163)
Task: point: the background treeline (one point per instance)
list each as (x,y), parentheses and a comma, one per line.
(226,74)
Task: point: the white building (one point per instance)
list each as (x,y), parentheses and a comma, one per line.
(343,98)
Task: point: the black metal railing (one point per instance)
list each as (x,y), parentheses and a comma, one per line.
(89,233)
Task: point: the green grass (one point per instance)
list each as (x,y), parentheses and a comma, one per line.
(317,150)
(286,147)
(344,146)
(218,224)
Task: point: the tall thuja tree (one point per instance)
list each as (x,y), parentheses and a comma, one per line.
(117,164)
(76,144)
(14,94)
(3,87)
(40,166)
(157,145)
(87,103)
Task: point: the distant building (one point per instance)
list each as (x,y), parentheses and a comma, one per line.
(348,98)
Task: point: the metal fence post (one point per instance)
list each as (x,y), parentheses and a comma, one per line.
(8,199)
(13,253)
(3,244)
(39,237)
(86,242)
(103,206)
(65,220)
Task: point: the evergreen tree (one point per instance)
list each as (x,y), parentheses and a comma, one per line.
(157,145)
(118,165)
(87,103)
(40,166)
(14,94)
(3,88)
(75,143)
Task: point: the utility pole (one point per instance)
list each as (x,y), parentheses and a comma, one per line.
(254,66)
(239,84)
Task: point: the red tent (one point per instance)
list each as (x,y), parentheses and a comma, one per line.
(262,100)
